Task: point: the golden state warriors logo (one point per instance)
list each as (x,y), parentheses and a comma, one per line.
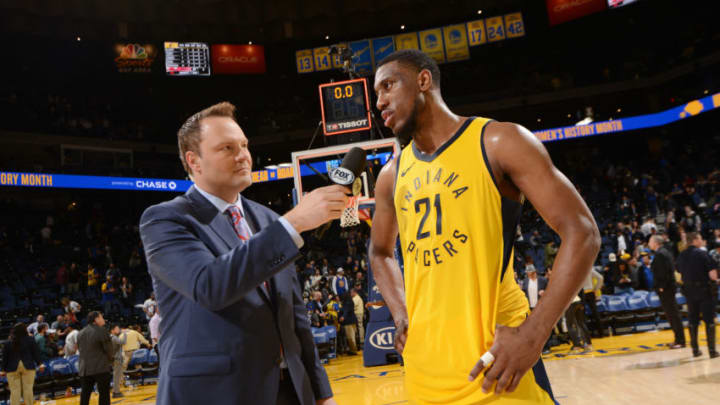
(434,241)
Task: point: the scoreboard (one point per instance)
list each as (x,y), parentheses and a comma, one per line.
(345,106)
(187,59)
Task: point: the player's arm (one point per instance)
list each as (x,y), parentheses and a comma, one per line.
(382,257)
(520,160)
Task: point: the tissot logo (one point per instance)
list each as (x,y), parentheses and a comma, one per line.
(238,59)
(383,338)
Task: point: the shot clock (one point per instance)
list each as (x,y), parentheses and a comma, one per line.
(345,106)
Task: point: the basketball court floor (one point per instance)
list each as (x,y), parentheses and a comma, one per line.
(630,369)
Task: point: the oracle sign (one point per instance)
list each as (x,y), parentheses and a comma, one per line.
(237,59)
(560,11)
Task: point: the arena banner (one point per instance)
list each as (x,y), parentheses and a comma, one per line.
(560,11)
(321,56)
(514,25)
(690,109)
(135,58)
(362,56)
(382,47)
(495,28)
(476,32)
(14,179)
(431,42)
(407,41)
(456,43)
(336,60)
(238,59)
(304,61)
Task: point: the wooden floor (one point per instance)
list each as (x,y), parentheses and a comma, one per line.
(632,369)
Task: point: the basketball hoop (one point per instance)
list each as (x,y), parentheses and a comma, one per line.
(350,215)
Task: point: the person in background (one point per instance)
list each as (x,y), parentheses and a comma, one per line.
(118,340)
(72,308)
(349,322)
(359,308)
(42,342)
(126,290)
(663,268)
(154,327)
(70,349)
(20,357)
(32,329)
(149,306)
(93,279)
(96,357)
(533,286)
(133,342)
(577,328)
(340,282)
(593,285)
(73,279)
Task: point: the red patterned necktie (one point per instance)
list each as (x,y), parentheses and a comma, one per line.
(241,231)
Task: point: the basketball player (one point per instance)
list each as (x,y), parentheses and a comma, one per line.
(454,196)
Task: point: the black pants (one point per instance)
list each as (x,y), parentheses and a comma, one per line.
(103,385)
(701,300)
(286,391)
(669,305)
(589,298)
(578,330)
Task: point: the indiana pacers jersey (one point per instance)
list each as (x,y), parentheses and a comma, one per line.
(456,234)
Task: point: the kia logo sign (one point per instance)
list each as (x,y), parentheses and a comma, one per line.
(383,338)
(237,59)
(342,176)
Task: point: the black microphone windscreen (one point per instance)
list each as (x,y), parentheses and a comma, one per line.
(352,166)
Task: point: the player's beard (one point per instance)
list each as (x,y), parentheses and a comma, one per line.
(405,133)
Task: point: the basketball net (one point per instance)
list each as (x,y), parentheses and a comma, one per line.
(350,216)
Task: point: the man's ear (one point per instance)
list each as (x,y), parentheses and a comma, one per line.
(192,160)
(425,80)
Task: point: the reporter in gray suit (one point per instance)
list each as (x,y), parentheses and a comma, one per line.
(235,328)
(95,361)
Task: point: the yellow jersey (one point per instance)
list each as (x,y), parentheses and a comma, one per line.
(456,234)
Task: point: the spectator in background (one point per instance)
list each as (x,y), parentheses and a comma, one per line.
(133,342)
(577,328)
(359,308)
(591,289)
(317,313)
(112,274)
(60,326)
(20,357)
(32,330)
(691,221)
(149,306)
(93,280)
(126,290)
(118,340)
(71,308)
(42,342)
(73,279)
(645,273)
(109,297)
(315,279)
(340,283)
(623,281)
(154,327)
(96,357)
(533,286)
(663,268)
(349,322)
(70,348)
(61,277)
(551,251)
(361,283)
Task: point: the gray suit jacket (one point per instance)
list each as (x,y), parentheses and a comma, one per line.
(222,334)
(96,350)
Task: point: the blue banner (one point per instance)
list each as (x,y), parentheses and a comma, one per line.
(92,182)
(382,47)
(362,56)
(690,109)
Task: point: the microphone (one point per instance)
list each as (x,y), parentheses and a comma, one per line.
(352,166)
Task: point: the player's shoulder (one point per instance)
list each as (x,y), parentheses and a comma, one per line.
(502,132)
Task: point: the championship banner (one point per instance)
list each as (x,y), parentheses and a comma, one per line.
(382,47)
(514,25)
(321,56)
(476,32)
(362,56)
(336,61)
(495,29)
(431,42)
(238,59)
(560,11)
(135,58)
(304,61)
(407,41)
(456,43)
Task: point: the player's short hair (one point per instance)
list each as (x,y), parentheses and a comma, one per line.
(417,60)
(189,135)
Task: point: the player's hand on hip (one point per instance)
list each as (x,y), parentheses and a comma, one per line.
(401,328)
(318,207)
(514,352)
(326,401)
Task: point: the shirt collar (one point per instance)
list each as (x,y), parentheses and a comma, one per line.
(219,203)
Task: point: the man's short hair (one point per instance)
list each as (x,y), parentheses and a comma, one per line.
(92,316)
(415,59)
(658,239)
(41,327)
(189,135)
(691,236)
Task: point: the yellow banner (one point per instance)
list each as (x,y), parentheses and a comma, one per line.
(304,60)
(336,62)
(456,43)
(476,32)
(431,42)
(321,56)
(514,25)
(407,41)
(495,29)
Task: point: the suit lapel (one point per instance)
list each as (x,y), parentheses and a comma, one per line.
(255,226)
(217,221)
